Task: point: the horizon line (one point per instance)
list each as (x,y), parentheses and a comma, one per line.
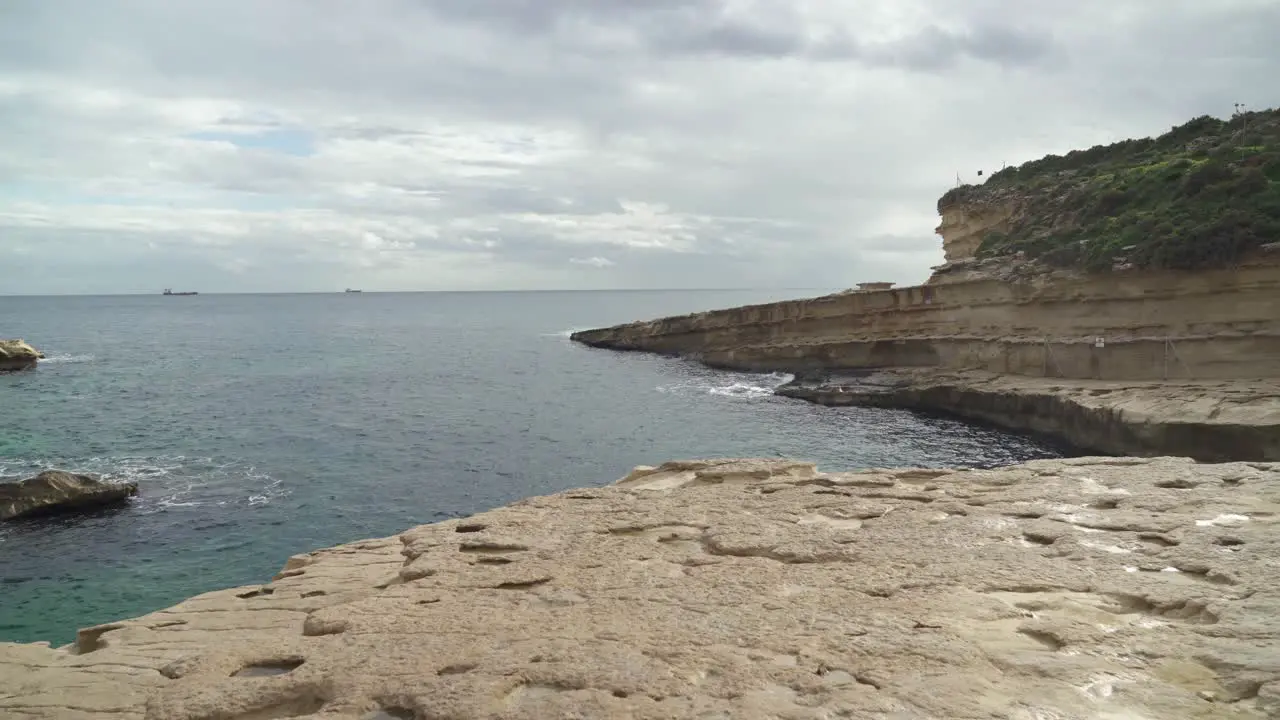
(421,292)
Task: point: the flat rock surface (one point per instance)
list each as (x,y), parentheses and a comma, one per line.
(1107,588)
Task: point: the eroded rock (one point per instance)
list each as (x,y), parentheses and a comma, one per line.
(55,491)
(740,589)
(17,355)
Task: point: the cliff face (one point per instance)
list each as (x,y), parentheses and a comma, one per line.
(964,225)
(1153,325)
(753,589)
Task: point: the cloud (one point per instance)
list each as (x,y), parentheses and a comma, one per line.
(594,261)
(470,144)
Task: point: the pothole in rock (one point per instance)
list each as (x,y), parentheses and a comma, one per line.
(392,713)
(1157,539)
(1189,610)
(831,522)
(490,547)
(306,706)
(471,528)
(494,560)
(270,668)
(1047,639)
(1177,484)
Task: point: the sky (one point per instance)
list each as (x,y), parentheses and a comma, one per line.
(314,145)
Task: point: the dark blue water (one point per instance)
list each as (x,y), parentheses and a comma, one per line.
(259,426)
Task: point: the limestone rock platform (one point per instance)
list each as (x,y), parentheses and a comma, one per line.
(1089,588)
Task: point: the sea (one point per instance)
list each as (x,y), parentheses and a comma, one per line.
(260,426)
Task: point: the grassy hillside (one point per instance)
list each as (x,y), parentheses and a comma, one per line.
(1202,195)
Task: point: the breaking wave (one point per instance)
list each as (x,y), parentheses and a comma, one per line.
(167,482)
(60,358)
(564,333)
(748,386)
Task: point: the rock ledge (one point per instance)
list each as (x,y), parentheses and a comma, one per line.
(1129,588)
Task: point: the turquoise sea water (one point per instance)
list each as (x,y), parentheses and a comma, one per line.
(259,426)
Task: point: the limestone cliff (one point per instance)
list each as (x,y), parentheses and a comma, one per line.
(1153,325)
(751,590)
(967,221)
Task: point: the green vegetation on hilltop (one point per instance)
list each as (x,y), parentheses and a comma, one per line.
(1202,195)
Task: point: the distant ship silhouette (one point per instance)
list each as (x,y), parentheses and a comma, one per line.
(350,290)
(167,291)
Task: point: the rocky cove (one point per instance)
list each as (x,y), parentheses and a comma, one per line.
(1135,588)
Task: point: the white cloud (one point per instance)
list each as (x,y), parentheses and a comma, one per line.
(423,144)
(595,261)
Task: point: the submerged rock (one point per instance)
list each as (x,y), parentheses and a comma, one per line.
(54,491)
(753,589)
(17,355)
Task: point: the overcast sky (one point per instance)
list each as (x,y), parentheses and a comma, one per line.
(304,145)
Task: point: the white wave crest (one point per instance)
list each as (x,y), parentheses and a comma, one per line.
(742,386)
(564,333)
(60,358)
(167,482)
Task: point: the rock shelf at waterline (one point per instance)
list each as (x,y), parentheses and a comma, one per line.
(1088,587)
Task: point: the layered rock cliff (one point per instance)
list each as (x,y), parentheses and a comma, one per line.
(1153,325)
(753,590)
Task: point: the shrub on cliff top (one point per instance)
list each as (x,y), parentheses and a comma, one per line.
(1204,194)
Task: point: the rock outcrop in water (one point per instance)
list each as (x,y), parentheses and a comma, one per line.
(744,589)
(54,491)
(17,355)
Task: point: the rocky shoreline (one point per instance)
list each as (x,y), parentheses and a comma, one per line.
(1079,588)
(1213,421)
